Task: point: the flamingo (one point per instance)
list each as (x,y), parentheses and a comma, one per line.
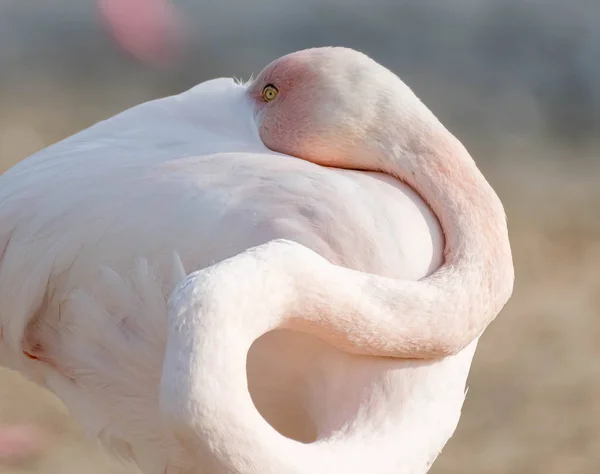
(285,275)
(151,31)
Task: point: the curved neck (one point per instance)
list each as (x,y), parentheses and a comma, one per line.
(470,213)
(213,321)
(477,249)
(442,313)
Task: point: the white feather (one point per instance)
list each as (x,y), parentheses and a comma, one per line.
(98,229)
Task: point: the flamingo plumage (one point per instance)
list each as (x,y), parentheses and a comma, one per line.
(288,275)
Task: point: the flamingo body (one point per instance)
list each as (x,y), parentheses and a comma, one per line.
(98,231)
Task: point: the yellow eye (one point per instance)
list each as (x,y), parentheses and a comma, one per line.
(269,92)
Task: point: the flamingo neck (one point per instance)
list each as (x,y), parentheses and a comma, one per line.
(476,279)
(445,311)
(472,218)
(206,391)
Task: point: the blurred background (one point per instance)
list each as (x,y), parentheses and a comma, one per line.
(518,81)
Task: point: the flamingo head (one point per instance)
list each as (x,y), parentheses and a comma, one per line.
(335,107)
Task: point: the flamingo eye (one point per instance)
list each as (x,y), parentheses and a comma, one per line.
(269,93)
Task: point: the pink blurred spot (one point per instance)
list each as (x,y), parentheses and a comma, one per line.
(150,30)
(19,441)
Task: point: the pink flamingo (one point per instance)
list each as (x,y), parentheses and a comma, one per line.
(149,30)
(288,275)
